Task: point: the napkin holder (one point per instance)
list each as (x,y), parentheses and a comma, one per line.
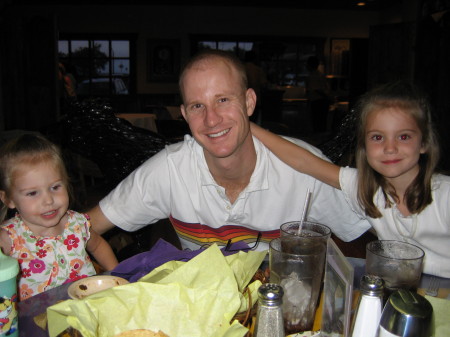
(337,293)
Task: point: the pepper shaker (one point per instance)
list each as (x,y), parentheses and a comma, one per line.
(269,316)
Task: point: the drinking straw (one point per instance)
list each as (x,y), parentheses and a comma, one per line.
(305,210)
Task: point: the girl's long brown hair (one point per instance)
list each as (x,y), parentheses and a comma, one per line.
(410,99)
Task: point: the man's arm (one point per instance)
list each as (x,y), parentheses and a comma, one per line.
(99,222)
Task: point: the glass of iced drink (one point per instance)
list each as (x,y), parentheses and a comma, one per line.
(306,229)
(398,263)
(297,263)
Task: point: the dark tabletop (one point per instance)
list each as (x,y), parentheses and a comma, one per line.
(38,304)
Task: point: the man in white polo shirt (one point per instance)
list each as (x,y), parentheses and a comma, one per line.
(221,184)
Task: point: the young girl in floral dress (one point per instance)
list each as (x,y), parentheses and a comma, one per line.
(50,241)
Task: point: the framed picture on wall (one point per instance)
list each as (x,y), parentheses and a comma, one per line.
(163,57)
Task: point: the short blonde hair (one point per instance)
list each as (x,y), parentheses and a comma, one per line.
(209,55)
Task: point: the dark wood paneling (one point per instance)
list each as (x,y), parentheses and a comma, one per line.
(29,66)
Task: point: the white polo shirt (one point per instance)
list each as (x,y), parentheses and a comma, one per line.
(430,229)
(176,184)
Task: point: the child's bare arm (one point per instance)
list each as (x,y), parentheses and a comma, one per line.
(101,251)
(298,158)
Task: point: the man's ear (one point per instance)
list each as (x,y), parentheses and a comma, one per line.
(250,101)
(183,112)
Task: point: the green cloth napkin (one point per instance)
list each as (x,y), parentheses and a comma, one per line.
(441,316)
(197,298)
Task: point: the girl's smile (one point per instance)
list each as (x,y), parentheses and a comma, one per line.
(40,196)
(393,145)
(50,215)
(391,161)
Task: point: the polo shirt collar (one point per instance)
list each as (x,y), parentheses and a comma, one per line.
(259,178)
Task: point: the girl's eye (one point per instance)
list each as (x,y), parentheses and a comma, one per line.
(377,137)
(405,137)
(31,194)
(56,187)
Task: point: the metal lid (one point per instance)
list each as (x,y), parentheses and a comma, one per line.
(270,294)
(407,314)
(411,303)
(371,285)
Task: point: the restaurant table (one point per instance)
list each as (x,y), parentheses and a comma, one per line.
(142,120)
(38,304)
(295,100)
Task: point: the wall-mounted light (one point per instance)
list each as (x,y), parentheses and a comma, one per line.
(361,4)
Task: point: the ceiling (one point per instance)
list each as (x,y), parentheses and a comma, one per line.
(305,4)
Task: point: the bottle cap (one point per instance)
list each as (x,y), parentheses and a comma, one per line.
(371,285)
(270,294)
(9,267)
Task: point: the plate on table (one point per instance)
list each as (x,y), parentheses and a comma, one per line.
(93,284)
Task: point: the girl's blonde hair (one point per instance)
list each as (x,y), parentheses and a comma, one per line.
(29,150)
(408,98)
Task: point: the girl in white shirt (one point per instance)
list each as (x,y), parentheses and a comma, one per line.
(395,185)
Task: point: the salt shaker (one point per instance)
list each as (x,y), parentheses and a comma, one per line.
(368,312)
(269,316)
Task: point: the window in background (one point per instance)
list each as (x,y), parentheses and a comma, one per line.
(101,67)
(238,47)
(283,59)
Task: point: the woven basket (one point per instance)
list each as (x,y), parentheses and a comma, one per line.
(248,317)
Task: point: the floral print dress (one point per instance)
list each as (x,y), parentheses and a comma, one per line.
(47,262)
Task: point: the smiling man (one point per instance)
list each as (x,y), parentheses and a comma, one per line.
(217,106)
(221,184)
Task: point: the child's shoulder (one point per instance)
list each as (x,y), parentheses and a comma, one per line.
(441,177)
(15,220)
(440,180)
(77,216)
